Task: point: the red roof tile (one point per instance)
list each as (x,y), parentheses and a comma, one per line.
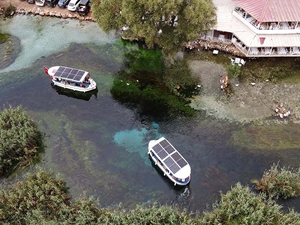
(271,10)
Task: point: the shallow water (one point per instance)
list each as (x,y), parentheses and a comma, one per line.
(100,146)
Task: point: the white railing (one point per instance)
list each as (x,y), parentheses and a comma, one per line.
(250,23)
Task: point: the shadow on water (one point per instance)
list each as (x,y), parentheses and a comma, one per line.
(99,145)
(75,94)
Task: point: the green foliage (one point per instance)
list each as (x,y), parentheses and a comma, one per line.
(241,206)
(38,192)
(233,71)
(19,139)
(142,59)
(156,101)
(3,38)
(179,20)
(178,74)
(42,199)
(280,182)
(8,10)
(154,214)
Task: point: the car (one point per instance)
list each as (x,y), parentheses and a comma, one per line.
(73,5)
(31,1)
(63,3)
(40,2)
(51,3)
(84,7)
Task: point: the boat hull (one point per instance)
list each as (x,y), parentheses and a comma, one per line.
(74,87)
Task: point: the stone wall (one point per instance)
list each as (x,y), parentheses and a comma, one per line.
(214,45)
(53,13)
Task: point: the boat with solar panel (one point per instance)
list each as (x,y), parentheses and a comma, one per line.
(71,78)
(170,161)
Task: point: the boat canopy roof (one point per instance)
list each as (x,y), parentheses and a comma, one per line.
(171,158)
(71,74)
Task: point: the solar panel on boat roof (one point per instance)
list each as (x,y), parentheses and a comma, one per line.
(181,162)
(70,73)
(176,156)
(169,149)
(174,168)
(61,68)
(162,154)
(157,148)
(164,143)
(169,161)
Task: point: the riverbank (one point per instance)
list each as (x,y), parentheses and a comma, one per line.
(248,102)
(22,7)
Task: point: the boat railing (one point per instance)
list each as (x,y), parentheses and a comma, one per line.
(186,180)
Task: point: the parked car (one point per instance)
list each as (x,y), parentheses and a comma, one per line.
(31,1)
(73,5)
(51,3)
(84,7)
(63,3)
(40,2)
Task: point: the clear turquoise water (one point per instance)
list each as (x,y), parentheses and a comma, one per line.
(100,146)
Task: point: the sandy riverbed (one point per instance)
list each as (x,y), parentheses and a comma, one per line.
(248,102)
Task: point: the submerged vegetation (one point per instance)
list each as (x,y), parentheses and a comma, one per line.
(43,199)
(3,38)
(272,137)
(280,182)
(20,140)
(156,88)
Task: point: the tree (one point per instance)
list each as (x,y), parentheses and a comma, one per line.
(20,139)
(280,182)
(163,23)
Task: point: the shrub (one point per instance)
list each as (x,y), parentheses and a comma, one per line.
(233,71)
(280,182)
(9,10)
(19,139)
(43,199)
(154,214)
(38,192)
(241,206)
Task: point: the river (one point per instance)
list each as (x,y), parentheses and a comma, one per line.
(99,146)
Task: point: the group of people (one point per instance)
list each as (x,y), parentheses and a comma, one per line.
(72,83)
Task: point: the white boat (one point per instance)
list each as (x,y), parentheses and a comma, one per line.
(40,2)
(71,78)
(170,161)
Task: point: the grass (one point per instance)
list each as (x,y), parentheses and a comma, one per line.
(3,38)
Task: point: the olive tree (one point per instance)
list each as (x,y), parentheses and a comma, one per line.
(162,23)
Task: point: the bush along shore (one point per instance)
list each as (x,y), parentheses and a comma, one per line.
(43,199)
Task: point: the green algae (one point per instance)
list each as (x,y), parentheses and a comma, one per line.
(4,37)
(267,137)
(86,166)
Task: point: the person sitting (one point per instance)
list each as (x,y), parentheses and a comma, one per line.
(82,85)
